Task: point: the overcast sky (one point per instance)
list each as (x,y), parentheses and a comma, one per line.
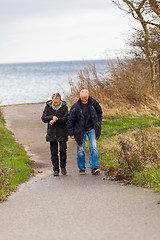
(57,30)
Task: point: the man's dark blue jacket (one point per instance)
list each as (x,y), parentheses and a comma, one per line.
(76,119)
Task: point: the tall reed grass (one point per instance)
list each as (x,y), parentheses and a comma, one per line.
(124,83)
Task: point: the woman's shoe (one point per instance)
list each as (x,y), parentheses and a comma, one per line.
(64,171)
(56,173)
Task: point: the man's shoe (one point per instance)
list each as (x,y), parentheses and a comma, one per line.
(64,171)
(82,172)
(95,171)
(56,173)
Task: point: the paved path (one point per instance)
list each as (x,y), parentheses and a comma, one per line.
(71,207)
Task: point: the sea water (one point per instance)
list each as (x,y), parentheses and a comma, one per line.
(36,82)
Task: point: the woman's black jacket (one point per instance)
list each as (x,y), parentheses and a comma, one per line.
(76,119)
(58,131)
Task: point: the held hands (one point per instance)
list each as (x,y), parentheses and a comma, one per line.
(53,120)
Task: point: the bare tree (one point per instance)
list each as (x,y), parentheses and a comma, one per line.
(147,12)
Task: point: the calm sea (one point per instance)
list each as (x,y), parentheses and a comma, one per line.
(36,82)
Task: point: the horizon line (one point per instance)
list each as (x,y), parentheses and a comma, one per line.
(27,62)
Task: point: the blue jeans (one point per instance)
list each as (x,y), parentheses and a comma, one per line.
(93,159)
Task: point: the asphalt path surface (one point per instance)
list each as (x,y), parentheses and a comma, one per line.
(72,206)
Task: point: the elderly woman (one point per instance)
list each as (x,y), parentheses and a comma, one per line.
(56,115)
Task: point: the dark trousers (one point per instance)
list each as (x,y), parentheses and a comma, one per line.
(54,155)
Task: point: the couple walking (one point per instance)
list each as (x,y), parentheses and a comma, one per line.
(84,119)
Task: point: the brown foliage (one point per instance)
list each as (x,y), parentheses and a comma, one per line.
(125,83)
(139,153)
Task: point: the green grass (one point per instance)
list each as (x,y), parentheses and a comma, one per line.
(148,178)
(112,129)
(14,163)
(121,124)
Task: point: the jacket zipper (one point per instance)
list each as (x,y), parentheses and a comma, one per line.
(56,125)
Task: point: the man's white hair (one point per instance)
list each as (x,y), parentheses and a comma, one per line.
(84,91)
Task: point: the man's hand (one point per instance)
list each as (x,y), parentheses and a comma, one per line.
(72,137)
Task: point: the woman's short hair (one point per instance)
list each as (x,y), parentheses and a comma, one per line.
(56,96)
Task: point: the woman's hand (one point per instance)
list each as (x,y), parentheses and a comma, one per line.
(51,122)
(54,119)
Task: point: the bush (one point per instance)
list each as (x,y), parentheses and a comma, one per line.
(125,83)
(139,158)
(130,80)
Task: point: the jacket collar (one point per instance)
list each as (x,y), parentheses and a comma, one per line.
(49,103)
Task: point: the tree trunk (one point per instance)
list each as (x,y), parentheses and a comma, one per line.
(158,70)
(147,49)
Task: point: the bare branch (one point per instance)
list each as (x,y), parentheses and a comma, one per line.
(155,7)
(140,9)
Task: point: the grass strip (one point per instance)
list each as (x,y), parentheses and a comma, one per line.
(14,163)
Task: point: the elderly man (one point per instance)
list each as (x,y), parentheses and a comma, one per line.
(85,119)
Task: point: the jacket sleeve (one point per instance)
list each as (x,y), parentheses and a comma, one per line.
(99,111)
(71,121)
(45,116)
(63,119)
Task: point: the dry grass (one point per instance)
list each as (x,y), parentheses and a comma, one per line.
(124,88)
